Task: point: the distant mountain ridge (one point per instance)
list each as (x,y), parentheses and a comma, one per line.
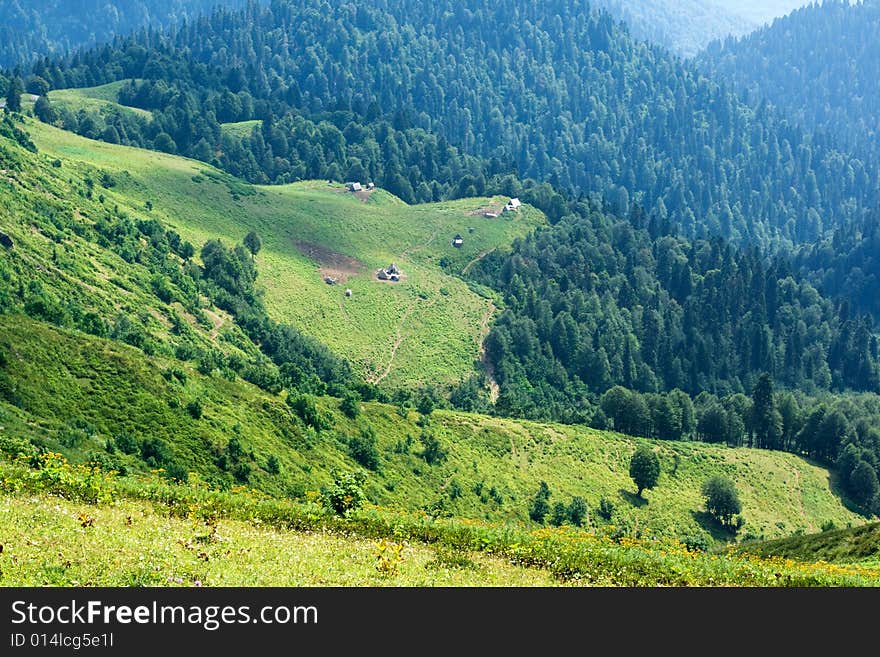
(820,66)
(33,28)
(686,26)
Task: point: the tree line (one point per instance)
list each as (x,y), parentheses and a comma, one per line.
(545,91)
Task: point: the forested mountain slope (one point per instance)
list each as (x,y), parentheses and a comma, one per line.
(820,65)
(32,28)
(123,345)
(546,91)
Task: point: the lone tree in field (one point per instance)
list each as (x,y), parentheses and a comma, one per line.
(644,468)
(722,499)
(253,243)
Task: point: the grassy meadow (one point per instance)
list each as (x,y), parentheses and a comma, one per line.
(426,329)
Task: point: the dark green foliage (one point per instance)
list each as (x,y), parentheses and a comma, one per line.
(644,469)
(44,111)
(540,506)
(577,511)
(819,64)
(640,127)
(345,493)
(863,485)
(305,408)
(273,465)
(722,499)
(13,95)
(126,444)
(433,450)
(766,420)
(242,472)
(427,402)
(559,514)
(176,472)
(845,266)
(697,542)
(252,242)
(305,364)
(628,411)
(351,404)
(606,509)
(38,28)
(155,452)
(596,302)
(363,448)
(195,409)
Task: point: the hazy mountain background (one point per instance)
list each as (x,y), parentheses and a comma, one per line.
(687,26)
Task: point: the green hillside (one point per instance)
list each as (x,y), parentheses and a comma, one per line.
(426,329)
(102,98)
(446,477)
(851,545)
(89,398)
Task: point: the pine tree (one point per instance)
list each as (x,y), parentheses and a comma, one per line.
(13,95)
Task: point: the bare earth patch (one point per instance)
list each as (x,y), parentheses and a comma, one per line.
(363,195)
(491,209)
(330,263)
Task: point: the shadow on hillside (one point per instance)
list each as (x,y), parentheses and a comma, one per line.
(836,488)
(718,531)
(632,498)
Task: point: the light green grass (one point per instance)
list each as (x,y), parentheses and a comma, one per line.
(144,532)
(426,329)
(136,544)
(239,129)
(99,98)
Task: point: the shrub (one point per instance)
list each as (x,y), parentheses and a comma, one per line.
(242,472)
(273,466)
(540,503)
(351,405)
(125,443)
(577,511)
(699,542)
(432,449)
(305,408)
(559,515)
(345,493)
(606,508)
(194,408)
(363,449)
(176,472)
(644,468)
(155,452)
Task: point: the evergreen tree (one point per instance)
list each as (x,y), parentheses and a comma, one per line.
(766,420)
(13,95)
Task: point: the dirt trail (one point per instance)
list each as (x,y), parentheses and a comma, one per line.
(375,379)
(479,257)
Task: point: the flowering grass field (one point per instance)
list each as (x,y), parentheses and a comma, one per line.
(73,525)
